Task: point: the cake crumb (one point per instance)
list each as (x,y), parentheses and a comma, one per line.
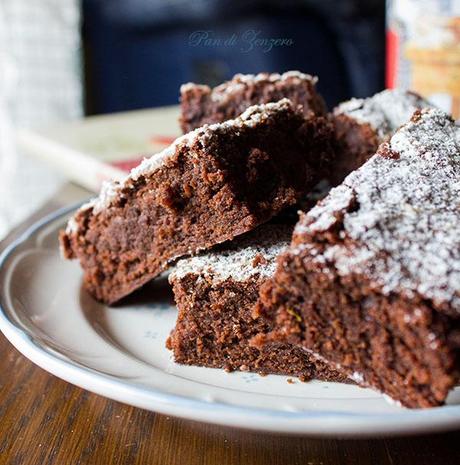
(259,259)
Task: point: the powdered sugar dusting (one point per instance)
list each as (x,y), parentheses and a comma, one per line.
(252,117)
(385,112)
(273,77)
(72,225)
(325,217)
(240,82)
(238,259)
(405,223)
(191,86)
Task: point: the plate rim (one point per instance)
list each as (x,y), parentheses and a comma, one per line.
(308,423)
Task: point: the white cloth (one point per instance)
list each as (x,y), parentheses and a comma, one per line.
(40,82)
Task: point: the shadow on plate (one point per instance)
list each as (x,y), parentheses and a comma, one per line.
(155,295)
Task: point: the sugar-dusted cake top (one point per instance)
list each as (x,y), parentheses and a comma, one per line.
(249,255)
(251,118)
(240,81)
(385,112)
(398,216)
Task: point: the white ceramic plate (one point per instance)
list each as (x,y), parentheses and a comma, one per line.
(120,353)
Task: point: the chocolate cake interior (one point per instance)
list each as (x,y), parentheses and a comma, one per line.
(215,294)
(210,186)
(371,280)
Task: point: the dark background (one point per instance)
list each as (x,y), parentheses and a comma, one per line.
(138,52)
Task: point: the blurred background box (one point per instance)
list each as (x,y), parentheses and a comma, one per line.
(423,52)
(138,52)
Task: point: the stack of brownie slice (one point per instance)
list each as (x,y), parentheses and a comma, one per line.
(216,293)
(371,281)
(202,105)
(209,186)
(367,289)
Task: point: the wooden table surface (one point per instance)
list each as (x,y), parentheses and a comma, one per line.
(44,420)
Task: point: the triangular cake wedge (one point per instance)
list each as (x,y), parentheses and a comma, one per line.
(371,280)
(362,124)
(211,185)
(201,104)
(215,293)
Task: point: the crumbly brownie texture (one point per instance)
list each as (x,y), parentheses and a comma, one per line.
(215,294)
(200,104)
(371,281)
(363,124)
(211,185)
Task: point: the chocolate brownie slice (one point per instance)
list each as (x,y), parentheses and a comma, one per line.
(363,124)
(211,185)
(202,105)
(215,294)
(371,280)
